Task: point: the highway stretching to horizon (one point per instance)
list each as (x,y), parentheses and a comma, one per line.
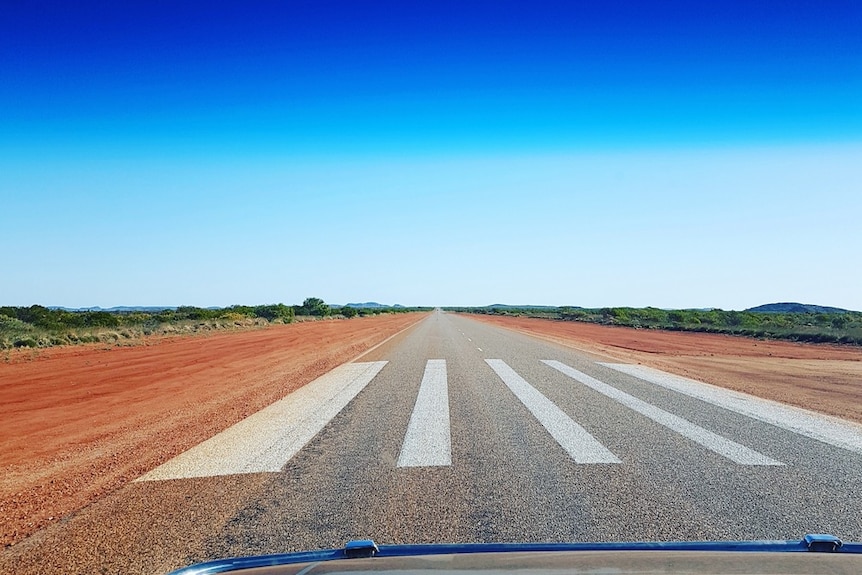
(459,431)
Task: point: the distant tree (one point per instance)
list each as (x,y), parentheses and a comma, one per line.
(733,318)
(100,319)
(274,311)
(822,319)
(677,317)
(621,315)
(653,315)
(348,311)
(190,312)
(316,306)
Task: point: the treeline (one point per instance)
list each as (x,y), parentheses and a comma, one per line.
(58,319)
(845,328)
(39,326)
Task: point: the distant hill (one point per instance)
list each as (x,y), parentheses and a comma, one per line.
(367,305)
(792,307)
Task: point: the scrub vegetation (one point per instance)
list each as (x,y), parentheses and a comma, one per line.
(39,326)
(843,327)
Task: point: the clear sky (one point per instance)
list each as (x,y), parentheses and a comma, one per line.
(673,154)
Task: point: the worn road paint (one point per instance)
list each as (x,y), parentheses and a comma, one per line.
(725,447)
(830,430)
(573,438)
(266,440)
(428,441)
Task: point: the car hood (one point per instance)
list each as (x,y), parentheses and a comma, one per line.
(814,555)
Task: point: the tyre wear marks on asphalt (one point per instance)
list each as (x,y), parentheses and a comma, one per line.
(573,438)
(725,447)
(829,430)
(428,439)
(266,440)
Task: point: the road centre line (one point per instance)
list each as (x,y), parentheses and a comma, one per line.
(725,447)
(829,430)
(573,438)
(428,440)
(268,439)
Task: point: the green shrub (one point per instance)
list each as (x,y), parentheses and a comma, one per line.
(348,312)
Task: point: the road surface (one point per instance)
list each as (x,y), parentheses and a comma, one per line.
(459,431)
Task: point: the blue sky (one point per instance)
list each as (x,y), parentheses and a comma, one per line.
(675,154)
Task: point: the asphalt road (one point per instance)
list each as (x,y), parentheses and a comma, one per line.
(465,432)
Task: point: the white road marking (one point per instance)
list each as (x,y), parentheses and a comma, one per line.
(479,348)
(830,430)
(266,440)
(428,441)
(576,440)
(730,449)
(468,339)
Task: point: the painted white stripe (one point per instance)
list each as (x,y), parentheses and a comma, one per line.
(730,449)
(265,441)
(428,441)
(830,430)
(576,440)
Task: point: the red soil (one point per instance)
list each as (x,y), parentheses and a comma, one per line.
(77,423)
(824,378)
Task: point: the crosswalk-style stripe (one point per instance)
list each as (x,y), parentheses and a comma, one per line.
(730,449)
(266,440)
(428,441)
(573,438)
(830,430)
